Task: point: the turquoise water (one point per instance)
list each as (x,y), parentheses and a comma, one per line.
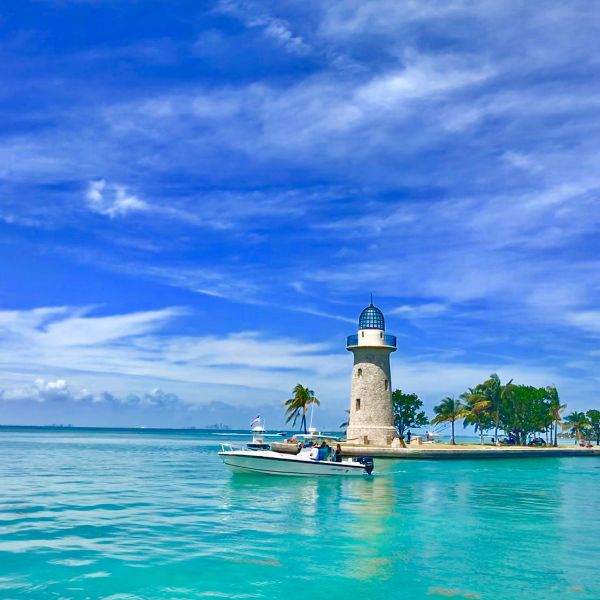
(139,514)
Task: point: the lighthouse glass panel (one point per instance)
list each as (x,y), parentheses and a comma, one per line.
(371,318)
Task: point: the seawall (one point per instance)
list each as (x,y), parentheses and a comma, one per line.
(448,452)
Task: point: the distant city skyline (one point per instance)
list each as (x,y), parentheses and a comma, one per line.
(197,199)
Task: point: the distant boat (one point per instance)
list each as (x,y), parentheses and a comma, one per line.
(314,434)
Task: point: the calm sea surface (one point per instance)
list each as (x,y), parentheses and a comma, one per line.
(146,514)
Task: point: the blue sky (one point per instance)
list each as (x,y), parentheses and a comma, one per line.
(196,199)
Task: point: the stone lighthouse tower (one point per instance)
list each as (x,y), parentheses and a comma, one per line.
(371,420)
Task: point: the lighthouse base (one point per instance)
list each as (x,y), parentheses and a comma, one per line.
(372,436)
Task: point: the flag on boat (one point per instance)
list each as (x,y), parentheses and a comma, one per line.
(255,421)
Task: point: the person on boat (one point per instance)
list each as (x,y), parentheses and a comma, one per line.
(338,453)
(314,452)
(325,451)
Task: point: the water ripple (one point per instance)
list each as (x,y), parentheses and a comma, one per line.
(133,516)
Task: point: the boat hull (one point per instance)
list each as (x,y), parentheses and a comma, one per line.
(269,463)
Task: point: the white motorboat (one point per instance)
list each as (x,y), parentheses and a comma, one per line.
(296,465)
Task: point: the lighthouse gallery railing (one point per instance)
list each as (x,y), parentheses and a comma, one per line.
(390,340)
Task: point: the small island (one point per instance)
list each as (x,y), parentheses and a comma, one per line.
(519,420)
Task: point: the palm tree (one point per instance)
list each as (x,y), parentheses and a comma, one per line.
(346,423)
(576,423)
(593,416)
(297,407)
(493,390)
(477,410)
(555,409)
(448,411)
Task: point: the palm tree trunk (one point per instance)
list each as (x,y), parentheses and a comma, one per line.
(497,420)
(453,442)
(303,423)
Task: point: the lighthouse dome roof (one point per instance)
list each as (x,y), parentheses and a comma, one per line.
(371,318)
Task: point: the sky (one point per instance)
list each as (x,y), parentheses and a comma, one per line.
(197,199)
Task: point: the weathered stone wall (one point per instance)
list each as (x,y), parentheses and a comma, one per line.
(372,384)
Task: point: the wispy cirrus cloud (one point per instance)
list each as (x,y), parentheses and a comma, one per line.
(254,15)
(419,311)
(135,344)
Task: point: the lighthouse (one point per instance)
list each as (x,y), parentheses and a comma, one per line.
(371,418)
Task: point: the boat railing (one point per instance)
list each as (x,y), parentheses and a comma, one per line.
(229,447)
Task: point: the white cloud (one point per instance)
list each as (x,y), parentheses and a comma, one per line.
(254,16)
(346,19)
(42,391)
(279,30)
(133,345)
(112,200)
(45,391)
(588,320)
(86,330)
(419,311)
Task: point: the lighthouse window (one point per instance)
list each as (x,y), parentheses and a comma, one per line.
(386,384)
(360,372)
(381,334)
(362,334)
(358,404)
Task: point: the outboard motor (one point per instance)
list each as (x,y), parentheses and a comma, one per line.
(367,461)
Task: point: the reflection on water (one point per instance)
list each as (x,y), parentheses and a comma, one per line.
(158,516)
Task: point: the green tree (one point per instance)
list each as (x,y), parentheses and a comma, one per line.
(448,410)
(576,423)
(593,416)
(477,410)
(524,411)
(495,392)
(407,413)
(297,406)
(556,409)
